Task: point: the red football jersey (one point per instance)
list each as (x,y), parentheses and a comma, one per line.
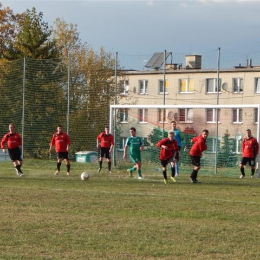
(106,140)
(199,146)
(13,140)
(172,146)
(60,141)
(250,147)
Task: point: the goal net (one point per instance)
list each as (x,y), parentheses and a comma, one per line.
(227,125)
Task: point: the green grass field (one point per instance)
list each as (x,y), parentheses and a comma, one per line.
(112,216)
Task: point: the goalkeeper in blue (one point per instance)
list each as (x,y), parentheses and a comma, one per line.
(178,138)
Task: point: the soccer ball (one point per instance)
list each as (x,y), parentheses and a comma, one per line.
(84,176)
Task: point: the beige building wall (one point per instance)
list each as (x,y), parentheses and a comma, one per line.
(149,94)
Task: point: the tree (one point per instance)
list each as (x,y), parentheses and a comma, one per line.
(73,56)
(156,135)
(42,79)
(58,72)
(226,156)
(33,39)
(10,94)
(25,35)
(91,88)
(8,31)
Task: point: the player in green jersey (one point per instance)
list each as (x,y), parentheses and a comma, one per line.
(136,145)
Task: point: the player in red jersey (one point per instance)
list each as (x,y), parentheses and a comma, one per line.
(168,154)
(105,144)
(61,141)
(14,145)
(250,148)
(199,146)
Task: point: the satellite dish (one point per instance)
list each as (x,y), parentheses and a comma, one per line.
(224,86)
(170,115)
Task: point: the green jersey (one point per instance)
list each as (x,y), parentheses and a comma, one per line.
(134,144)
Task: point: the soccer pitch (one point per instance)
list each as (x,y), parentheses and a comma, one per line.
(112,216)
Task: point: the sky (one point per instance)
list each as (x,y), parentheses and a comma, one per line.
(143,27)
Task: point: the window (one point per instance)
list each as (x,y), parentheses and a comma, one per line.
(237,115)
(162,116)
(211,85)
(257,85)
(213,115)
(186,85)
(161,87)
(143,87)
(123,115)
(186,115)
(142,113)
(255,115)
(238,85)
(124,87)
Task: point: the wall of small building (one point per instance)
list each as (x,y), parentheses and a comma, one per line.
(198,96)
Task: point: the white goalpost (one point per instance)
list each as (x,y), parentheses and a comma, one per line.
(227,125)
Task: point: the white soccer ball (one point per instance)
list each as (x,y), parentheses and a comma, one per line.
(84,176)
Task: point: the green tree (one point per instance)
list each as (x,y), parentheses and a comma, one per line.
(44,102)
(10,94)
(156,135)
(226,156)
(59,71)
(33,40)
(39,78)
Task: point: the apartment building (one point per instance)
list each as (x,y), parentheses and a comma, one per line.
(190,85)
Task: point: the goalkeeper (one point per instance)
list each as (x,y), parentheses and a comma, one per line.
(178,138)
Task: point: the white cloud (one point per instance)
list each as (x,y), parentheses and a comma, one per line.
(150,2)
